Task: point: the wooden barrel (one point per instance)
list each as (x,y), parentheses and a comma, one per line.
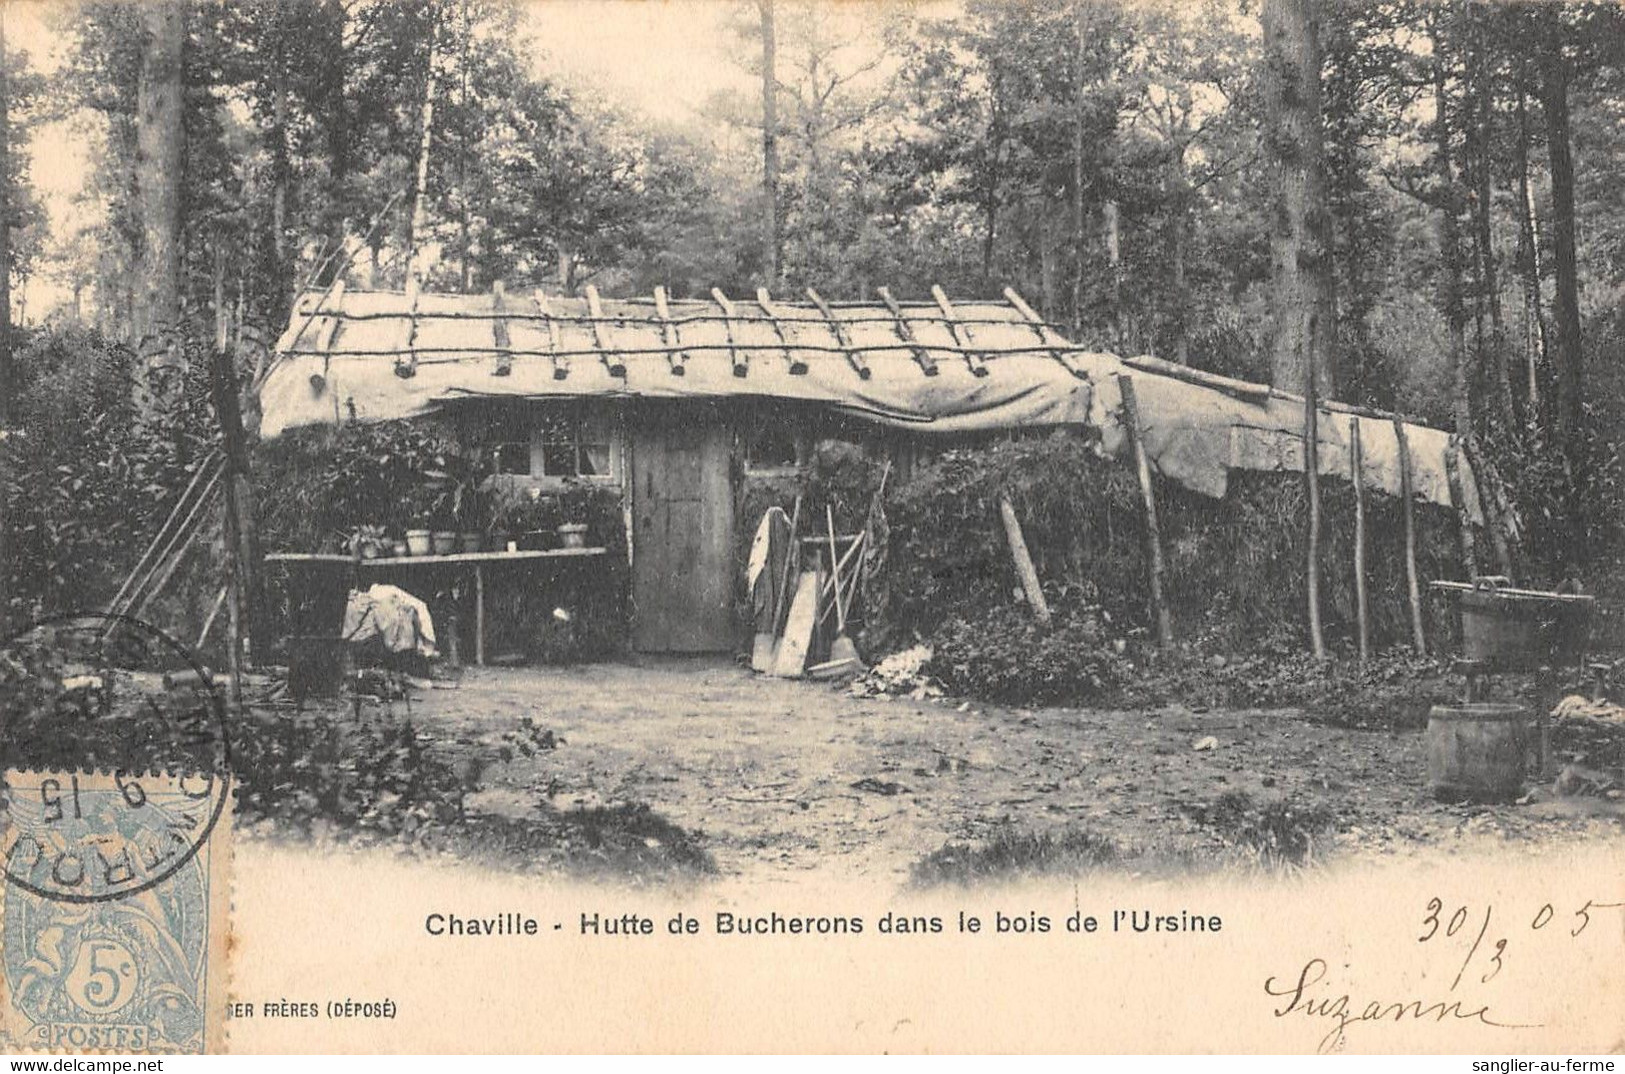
(1477,751)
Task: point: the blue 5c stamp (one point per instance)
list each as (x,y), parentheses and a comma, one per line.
(94,956)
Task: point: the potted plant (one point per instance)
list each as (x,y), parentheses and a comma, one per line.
(369,542)
(575,503)
(455,481)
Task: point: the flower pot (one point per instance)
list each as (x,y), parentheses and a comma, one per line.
(400,548)
(573,535)
(418,543)
(471,542)
(445,542)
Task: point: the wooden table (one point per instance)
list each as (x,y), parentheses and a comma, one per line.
(477,560)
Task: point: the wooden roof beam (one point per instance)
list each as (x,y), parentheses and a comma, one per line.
(1042,330)
(764,300)
(906,332)
(960,332)
(741,365)
(838,330)
(669,334)
(595,310)
(561,361)
(330,323)
(500,338)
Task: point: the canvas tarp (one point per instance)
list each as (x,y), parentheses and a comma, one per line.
(343,355)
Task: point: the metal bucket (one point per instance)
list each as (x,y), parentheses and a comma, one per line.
(1477,751)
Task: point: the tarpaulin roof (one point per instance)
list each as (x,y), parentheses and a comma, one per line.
(933,367)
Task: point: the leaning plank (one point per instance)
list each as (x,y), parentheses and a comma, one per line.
(1413,581)
(1023,560)
(499,334)
(1153,532)
(961,332)
(791,658)
(595,310)
(1357,477)
(765,300)
(838,330)
(668,334)
(905,331)
(330,324)
(1058,346)
(561,360)
(736,357)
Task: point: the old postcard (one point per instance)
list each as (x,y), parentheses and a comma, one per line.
(811,526)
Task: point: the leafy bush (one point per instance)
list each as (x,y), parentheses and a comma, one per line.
(1013,853)
(1281,832)
(1003,655)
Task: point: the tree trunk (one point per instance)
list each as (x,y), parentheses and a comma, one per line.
(1079,238)
(7,376)
(1534,327)
(159,160)
(1111,224)
(338,153)
(1565,353)
(1178,238)
(1494,351)
(771,228)
(1450,298)
(1300,243)
(420,184)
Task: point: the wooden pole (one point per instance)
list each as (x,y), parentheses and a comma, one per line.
(1024,561)
(1407,496)
(1311,474)
(224,384)
(1153,532)
(1357,476)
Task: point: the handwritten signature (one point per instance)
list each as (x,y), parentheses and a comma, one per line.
(1343,1010)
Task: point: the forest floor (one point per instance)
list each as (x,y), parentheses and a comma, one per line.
(772,778)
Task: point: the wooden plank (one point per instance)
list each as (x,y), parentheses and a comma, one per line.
(838,330)
(961,333)
(741,365)
(595,310)
(1407,495)
(385,562)
(791,659)
(1058,347)
(499,334)
(561,361)
(1024,561)
(764,300)
(1362,607)
(678,359)
(1148,496)
(906,332)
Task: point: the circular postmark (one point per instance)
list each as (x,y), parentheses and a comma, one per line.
(116,758)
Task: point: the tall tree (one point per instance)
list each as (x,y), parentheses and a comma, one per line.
(159,162)
(773,241)
(1302,302)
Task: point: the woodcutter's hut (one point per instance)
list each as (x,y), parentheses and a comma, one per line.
(670,402)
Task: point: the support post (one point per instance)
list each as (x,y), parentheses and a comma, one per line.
(1023,560)
(1407,495)
(1311,475)
(1153,532)
(479,614)
(500,338)
(1357,477)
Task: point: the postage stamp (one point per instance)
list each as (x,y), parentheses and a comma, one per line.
(115,838)
(114,914)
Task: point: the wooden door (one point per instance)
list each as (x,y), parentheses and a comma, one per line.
(682,550)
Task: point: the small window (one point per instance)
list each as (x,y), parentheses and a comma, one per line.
(510,442)
(573,445)
(774,442)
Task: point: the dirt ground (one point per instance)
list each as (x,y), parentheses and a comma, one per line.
(776,777)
